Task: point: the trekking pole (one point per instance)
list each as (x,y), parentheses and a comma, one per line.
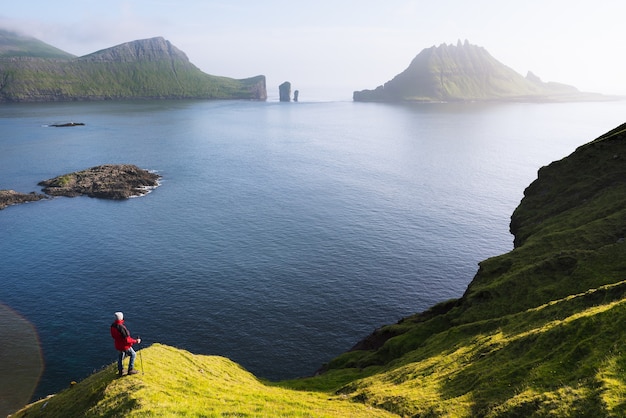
(140,357)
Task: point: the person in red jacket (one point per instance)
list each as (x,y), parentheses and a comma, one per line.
(124,344)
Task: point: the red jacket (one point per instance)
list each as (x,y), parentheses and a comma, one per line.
(121,336)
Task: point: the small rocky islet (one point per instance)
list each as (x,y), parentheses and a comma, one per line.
(109,181)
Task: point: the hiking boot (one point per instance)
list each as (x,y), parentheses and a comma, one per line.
(132,372)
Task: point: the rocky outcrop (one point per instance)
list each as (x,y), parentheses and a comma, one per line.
(11,197)
(104,181)
(284,92)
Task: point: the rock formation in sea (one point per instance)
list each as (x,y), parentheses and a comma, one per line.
(284,92)
(105,181)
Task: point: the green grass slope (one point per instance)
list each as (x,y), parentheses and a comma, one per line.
(39,81)
(539,331)
(178,383)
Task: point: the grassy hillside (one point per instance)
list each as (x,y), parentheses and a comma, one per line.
(145,69)
(76,80)
(539,331)
(178,383)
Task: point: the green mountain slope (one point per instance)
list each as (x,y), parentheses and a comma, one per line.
(539,331)
(464,72)
(144,69)
(14,45)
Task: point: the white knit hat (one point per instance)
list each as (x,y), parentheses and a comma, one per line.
(119,316)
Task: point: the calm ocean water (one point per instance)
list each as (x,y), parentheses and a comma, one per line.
(282,233)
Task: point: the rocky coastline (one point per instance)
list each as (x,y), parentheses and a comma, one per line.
(109,181)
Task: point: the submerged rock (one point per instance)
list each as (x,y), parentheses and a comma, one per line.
(105,181)
(65,125)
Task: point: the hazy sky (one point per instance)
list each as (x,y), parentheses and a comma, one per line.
(328,49)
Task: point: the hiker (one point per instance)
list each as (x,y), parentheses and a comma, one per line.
(124,344)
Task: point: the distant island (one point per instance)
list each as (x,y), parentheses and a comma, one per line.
(466,72)
(33,71)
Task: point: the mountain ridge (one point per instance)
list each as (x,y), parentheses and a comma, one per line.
(149,49)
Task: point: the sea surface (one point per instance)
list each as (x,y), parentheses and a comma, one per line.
(281,234)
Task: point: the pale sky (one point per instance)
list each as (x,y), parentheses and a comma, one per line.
(327,49)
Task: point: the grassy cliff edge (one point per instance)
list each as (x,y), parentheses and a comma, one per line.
(178,383)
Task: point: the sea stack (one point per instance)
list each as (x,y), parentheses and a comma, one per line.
(284,92)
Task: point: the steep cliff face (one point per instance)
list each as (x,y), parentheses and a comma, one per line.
(144,69)
(462,72)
